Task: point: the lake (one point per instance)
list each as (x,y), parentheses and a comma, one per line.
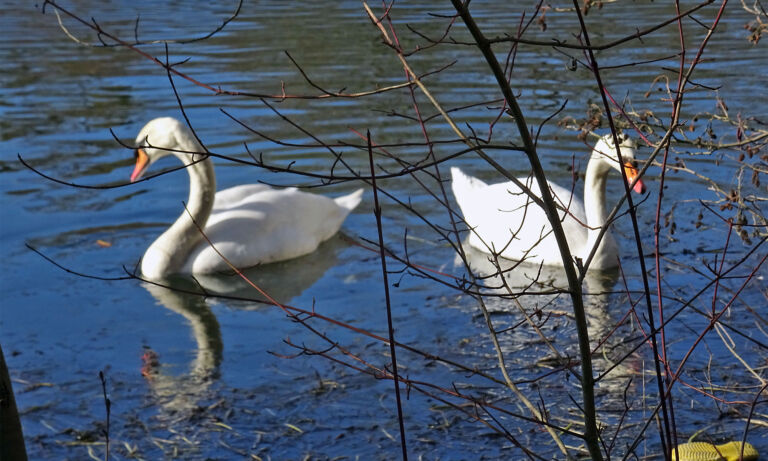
(230,377)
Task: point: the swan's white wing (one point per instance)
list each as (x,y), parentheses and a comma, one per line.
(229,198)
(256,224)
(572,212)
(506,220)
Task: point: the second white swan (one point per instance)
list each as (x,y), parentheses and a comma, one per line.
(248,224)
(504,220)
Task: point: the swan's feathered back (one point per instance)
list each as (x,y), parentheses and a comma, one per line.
(256,224)
(351,201)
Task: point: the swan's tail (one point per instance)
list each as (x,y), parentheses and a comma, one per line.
(349,202)
(464,186)
(465,191)
(464,183)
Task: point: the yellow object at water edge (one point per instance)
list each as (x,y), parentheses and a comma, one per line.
(704,451)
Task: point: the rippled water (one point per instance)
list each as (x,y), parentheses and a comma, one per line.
(58,330)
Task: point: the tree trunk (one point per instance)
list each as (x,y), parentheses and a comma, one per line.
(11,437)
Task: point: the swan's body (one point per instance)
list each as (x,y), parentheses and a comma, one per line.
(504,220)
(249,224)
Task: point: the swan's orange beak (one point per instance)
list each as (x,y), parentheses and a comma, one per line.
(142,161)
(631,171)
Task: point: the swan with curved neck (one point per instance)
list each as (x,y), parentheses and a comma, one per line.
(504,220)
(248,224)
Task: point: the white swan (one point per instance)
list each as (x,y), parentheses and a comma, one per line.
(249,224)
(504,220)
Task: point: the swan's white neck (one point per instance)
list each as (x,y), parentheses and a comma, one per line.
(170,251)
(594,208)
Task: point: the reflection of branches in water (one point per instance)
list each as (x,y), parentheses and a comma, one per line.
(104,35)
(95,26)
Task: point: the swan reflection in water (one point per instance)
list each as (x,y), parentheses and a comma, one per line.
(191,298)
(533,279)
(531,287)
